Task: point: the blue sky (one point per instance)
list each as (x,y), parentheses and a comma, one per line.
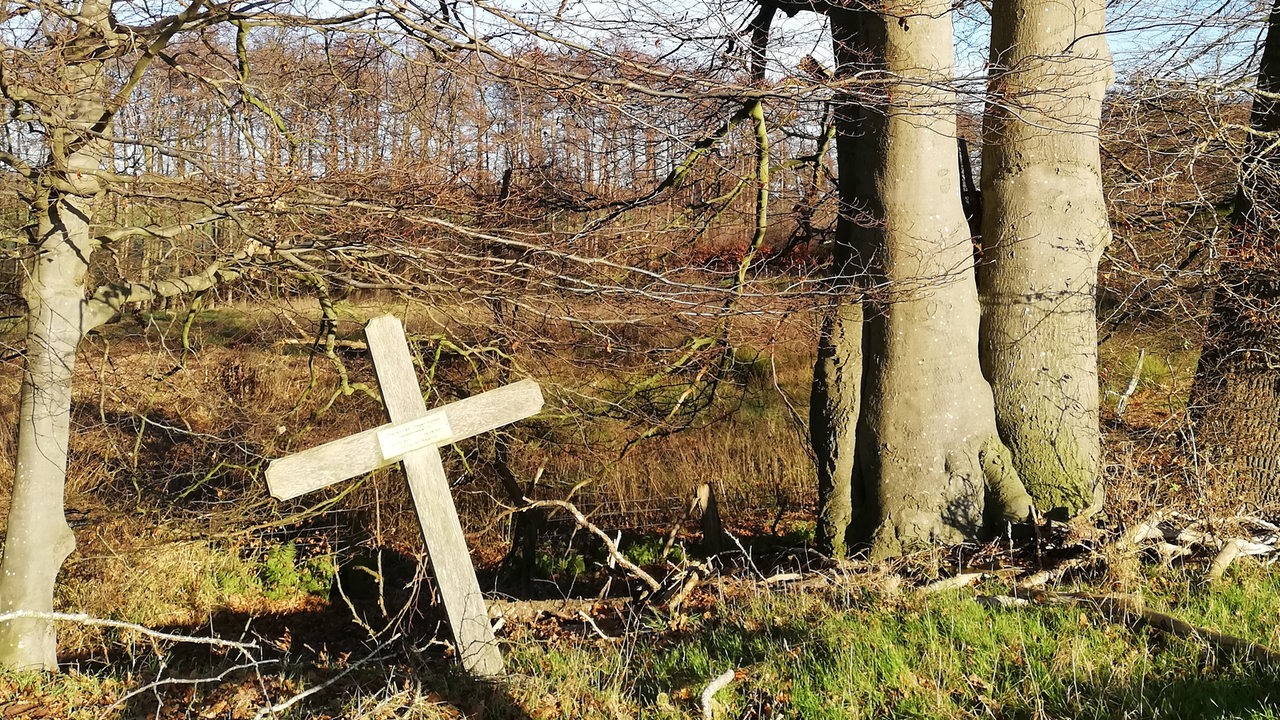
(1190,40)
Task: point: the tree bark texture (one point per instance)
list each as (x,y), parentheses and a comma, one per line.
(1044,227)
(37,538)
(928,458)
(833,421)
(837,373)
(1235,397)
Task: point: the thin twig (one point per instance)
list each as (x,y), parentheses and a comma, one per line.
(1123,402)
(591,621)
(82,619)
(742,549)
(180,681)
(282,706)
(614,554)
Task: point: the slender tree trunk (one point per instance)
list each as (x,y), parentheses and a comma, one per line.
(833,422)
(1235,398)
(928,454)
(837,373)
(37,538)
(1044,227)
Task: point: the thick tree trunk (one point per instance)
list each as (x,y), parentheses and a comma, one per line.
(1235,398)
(1044,227)
(837,373)
(928,456)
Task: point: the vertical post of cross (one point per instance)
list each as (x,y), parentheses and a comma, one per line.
(441,528)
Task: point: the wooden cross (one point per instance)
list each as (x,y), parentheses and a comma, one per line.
(413,437)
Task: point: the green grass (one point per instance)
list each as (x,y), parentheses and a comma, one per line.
(859,651)
(863,654)
(1165,378)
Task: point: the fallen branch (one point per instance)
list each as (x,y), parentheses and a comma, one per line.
(614,554)
(1131,607)
(1227,555)
(1233,549)
(1001,602)
(708,694)
(952,583)
(82,619)
(525,611)
(782,577)
(680,586)
(1126,543)
(1044,577)
(1148,529)
(349,345)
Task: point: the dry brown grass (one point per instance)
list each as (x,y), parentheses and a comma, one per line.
(178,441)
(165,541)
(184,450)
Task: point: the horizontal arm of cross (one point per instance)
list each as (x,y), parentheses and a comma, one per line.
(358,454)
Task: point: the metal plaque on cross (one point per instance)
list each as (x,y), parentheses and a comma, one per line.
(413,438)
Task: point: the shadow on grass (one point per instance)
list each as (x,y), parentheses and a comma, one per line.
(1235,695)
(800,657)
(312,663)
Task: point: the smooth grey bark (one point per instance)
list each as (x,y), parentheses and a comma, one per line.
(1235,396)
(76,107)
(1044,228)
(929,465)
(38,538)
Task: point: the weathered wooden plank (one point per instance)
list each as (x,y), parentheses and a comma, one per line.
(358,454)
(451,564)
(446,545)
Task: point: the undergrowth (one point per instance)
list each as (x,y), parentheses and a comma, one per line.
(182,438)
(862,653)
(858,651)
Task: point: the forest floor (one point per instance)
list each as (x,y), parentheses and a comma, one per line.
(176,535)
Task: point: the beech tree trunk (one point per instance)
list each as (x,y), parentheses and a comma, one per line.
(1044,227)
(1235,397)
(38,538)
(833,421)
(929,466)
(837,373)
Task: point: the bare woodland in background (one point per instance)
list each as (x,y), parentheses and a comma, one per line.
(682,221)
